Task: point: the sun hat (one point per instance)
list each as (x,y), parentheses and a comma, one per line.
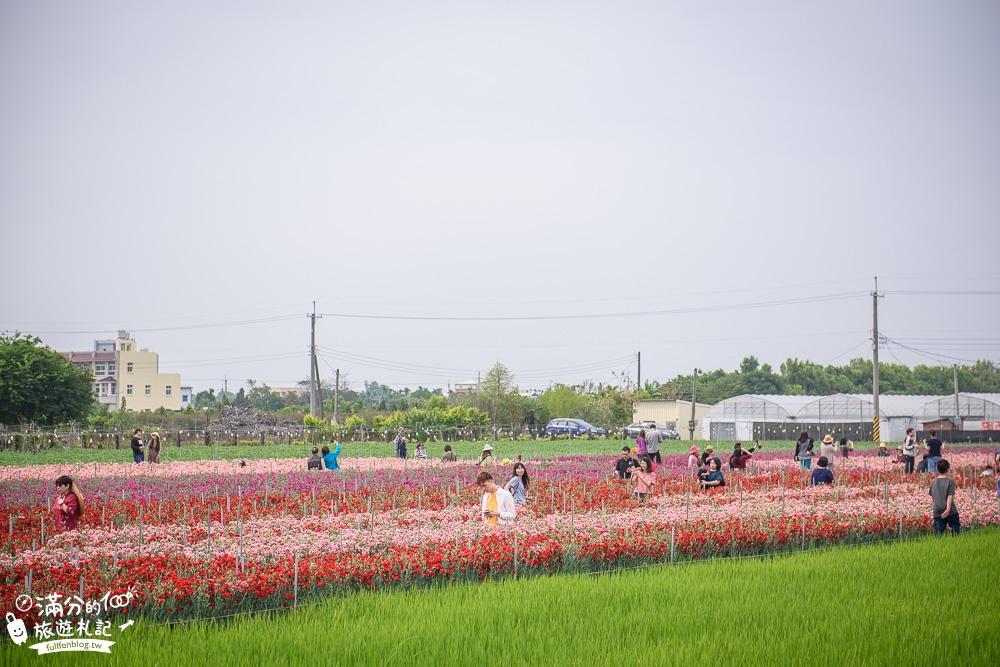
(694,449)
(487,448)
(710,448)
(827,439)
(881,445)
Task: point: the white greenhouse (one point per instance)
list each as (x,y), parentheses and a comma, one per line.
(778,417)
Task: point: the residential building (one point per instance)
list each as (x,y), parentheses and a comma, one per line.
(187,397)
(674,414)
(466,387)
(122,371)
(103,366)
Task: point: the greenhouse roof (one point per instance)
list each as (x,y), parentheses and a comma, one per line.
(857,407)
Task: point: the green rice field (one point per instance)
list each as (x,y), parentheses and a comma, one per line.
(933,601)
(529,449)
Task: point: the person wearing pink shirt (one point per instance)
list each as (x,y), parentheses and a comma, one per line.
(644,479)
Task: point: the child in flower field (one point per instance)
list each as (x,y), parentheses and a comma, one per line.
(518,484)
(68,507)
(822,474)
(943,506)
(714,477)
(643,478)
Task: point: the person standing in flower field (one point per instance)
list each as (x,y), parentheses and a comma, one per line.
(486,457)
(846,447)
(644,479)
(707,455)
(153,448)
(136,445)
(943,506)
(653,439)
(497,505)
(625,464)
(804,450)
(421,453)
(640,442)
(449,456)
(934,446)
(909,450)
(827,448)
(68,507)
(330,458)
(315,462)
(518,484)
(400,442)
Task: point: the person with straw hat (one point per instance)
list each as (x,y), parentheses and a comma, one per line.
(828,448)
(486,457)
(707,455)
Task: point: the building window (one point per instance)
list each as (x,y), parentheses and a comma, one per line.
(111,368)
(168,390)
(99,368)
(148,389)
(111,390)
(128,390)
(128,367)
(97,390)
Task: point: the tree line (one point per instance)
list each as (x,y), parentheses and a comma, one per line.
(40,386)
(804,378)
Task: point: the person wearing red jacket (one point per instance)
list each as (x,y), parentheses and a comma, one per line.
(68,508)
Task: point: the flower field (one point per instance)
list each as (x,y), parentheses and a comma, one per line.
(210,538)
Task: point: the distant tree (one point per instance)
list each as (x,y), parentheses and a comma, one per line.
(562,401)
(37,384)
(498,396)
(205,399)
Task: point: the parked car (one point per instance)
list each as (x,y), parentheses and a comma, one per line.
(577,427)
(632,430)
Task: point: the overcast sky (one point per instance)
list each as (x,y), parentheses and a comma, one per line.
(165,167)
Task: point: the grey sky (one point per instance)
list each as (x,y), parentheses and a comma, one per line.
(189,163)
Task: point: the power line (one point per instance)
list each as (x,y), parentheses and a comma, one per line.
(587,316)
(262,320)
(594,300)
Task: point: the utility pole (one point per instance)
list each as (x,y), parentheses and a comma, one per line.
(638,356)
(876,435)
(336,396)
(958,418)
(694,398)
(314,372)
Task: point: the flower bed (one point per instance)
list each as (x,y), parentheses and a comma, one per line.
(210,538)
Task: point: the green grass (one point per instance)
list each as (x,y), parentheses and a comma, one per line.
(934,601)
(531,449)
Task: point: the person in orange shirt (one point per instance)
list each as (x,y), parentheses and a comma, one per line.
(498,505)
